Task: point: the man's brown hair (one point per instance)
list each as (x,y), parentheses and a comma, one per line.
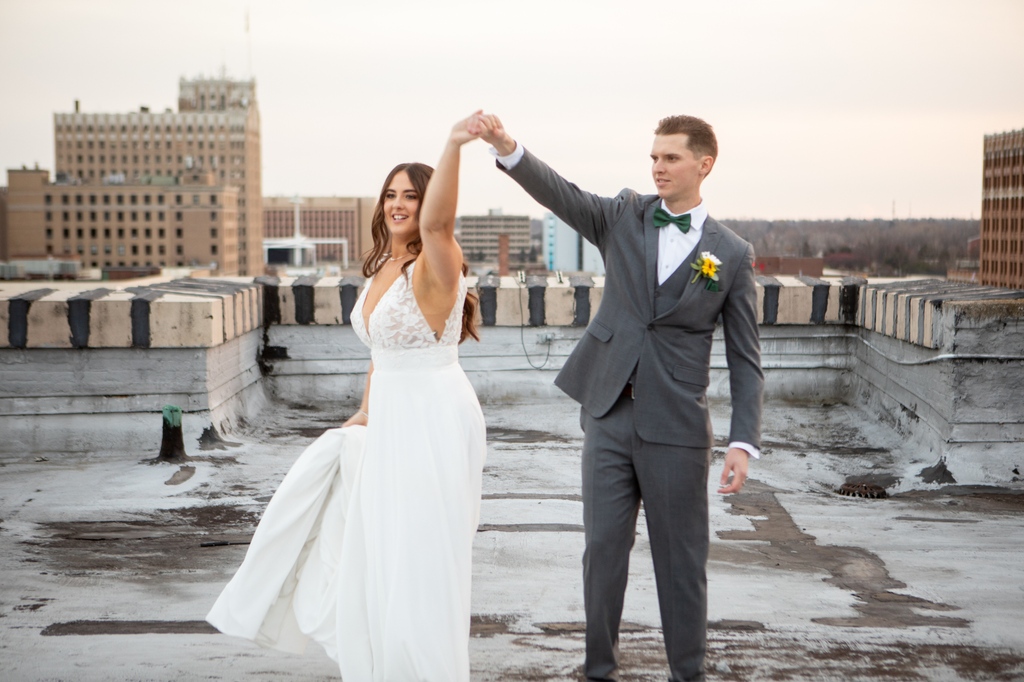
(700,136)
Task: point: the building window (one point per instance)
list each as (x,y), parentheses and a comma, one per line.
(177,215)
(160,199)
(213,199)
(92,233)
(213,215)
(67,215)
(134,199)
(160,233)
(177,233)
(135,249)
(92,199)
(149,233)
(120,250)
(78,199)
(195,199)
(179,249)
(48,199)
(106,233)
(213,232)
(161,250)
(106,249)
(49,233)
(92,216)
(146,199)
(149,250)
(120,216)
(79,233)
(120,233)
(49,216)
(120,199)
(67,233)
(213,249)
(94,249)
(148,216)
(135,216)
(160,215)
(135,233)
(106,215)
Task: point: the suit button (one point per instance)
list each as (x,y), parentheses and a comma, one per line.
(650,327)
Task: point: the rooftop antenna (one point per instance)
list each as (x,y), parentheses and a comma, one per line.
(248,42)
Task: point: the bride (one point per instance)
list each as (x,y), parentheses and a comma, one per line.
(366,547)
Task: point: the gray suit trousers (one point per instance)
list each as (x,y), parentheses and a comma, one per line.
(619,470)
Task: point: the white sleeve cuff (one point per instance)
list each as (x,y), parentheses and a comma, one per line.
(510,161)
(750,449)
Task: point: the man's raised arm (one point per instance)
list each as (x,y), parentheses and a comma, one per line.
(588,214)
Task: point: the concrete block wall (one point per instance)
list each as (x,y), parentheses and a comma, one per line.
(936,360)
(89,369)
(186,313)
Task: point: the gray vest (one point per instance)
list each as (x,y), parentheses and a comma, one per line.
(668,293)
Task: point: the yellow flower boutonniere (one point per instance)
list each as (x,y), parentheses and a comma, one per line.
(707,267)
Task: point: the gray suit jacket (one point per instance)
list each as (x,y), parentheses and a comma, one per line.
(671,352)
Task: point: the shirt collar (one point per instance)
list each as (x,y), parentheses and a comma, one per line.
(698,214)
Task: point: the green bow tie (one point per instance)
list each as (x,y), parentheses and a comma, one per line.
(663,218)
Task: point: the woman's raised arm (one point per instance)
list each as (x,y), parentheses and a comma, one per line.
(441,252)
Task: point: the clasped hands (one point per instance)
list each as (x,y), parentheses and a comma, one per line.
(486,127)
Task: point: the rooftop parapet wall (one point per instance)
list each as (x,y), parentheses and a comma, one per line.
(936,360)
(202,313)
(185,313)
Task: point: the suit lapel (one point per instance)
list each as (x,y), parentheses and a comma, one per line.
(651,251)
(709,238)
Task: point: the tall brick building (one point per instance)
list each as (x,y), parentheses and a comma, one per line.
(133,188)
(1002,211)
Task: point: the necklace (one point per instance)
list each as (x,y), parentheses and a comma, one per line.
(398,258)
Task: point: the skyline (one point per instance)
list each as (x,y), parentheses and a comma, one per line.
(821,111)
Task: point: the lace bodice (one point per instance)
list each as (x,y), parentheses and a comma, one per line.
(398,323)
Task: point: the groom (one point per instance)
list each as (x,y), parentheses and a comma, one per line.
(641,372)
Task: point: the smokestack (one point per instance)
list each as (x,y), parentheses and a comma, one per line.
(503,255)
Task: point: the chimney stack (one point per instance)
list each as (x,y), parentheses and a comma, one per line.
(503,255)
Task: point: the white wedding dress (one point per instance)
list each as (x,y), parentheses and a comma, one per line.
(366,547)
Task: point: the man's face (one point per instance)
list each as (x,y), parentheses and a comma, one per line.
(677,172)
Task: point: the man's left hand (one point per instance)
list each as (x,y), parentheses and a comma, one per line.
(736,461)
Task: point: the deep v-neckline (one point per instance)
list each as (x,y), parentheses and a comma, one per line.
(369,316)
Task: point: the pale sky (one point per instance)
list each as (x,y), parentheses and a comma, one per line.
(823,108)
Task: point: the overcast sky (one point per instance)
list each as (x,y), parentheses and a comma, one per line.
(823,109)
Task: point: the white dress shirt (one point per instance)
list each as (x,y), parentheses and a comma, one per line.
(673,248)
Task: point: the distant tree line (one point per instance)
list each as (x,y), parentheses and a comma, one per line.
(878,248)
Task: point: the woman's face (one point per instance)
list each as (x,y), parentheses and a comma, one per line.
(401,206)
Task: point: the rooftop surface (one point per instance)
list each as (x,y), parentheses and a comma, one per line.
(105,576)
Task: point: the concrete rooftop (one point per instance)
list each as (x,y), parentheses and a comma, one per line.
(105,576)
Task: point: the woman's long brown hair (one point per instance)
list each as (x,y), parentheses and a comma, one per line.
(419,175)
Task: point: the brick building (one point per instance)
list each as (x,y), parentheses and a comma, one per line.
(192,221)
(1001,258)
(208,150)
(478,236)
(328,219)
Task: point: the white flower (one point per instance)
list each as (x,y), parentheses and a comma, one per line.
(707,255)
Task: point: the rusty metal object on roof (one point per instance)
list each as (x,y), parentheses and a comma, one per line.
(868,490)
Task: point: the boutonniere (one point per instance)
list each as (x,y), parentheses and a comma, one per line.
(707,267)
